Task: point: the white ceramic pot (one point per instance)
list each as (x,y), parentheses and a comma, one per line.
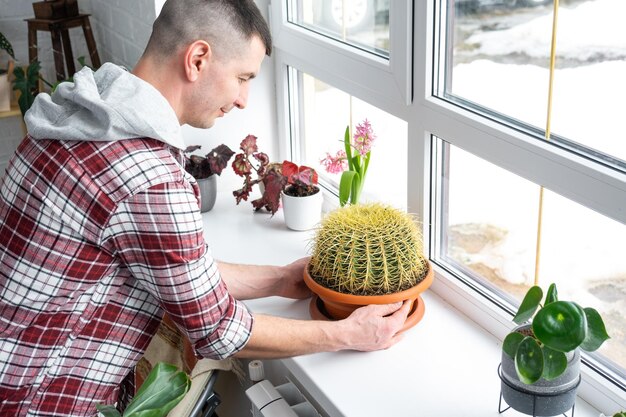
(302,213)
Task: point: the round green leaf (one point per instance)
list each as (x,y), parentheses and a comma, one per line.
(554,363)
(511,343)
(529,361)
(552,294)
(596,332)
(561,325)
(529,305)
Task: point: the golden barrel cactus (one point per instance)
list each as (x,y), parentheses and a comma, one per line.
(368,249)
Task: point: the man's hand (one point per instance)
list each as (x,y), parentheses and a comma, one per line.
(375,327)
(291,284)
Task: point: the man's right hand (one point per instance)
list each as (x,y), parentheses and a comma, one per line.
(374,327)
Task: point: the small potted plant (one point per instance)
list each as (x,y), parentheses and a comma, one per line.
(302,198)
(367,254)
(204,169)
(540,369)
(352,162)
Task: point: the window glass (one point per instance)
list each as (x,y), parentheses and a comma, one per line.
(498,58)
(489,230)
(363,23)
(326,111)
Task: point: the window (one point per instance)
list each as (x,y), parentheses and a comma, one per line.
(370,58)
(466,85)
(325,113)
(499,64)
(363,23)
(489,231)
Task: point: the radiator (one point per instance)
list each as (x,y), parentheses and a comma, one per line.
(284,400)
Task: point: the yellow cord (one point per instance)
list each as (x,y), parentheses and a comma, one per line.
(548,133)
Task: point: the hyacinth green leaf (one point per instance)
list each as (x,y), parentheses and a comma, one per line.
(552,294)
(596,331)
(554,363)
(529,361)
(561,325)
(345,186)
(108,410)
(348,148)
(511,343)
(529,305)
(164,387)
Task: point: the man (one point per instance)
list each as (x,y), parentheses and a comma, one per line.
(100,231)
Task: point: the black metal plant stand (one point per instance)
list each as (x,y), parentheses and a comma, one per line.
(533,394)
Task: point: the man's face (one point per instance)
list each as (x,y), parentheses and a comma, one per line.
(224,85)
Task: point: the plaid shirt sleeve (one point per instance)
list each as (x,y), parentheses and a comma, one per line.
(158,235)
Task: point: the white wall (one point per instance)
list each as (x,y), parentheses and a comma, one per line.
(122,29)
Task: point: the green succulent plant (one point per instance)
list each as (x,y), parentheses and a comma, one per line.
(368,249)
(557,328)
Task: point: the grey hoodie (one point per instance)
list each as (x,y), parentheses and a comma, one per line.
(107,105)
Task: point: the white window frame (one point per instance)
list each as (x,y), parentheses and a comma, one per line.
(588,183)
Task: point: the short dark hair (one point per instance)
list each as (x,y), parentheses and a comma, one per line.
(225,24)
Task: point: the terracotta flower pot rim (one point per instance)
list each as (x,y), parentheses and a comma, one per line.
(409,293)
(415,315)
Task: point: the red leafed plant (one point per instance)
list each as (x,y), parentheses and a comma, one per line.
(212,163)
(301,181)
(275,177)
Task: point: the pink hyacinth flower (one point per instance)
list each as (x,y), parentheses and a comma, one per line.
(363,138)
(335,164)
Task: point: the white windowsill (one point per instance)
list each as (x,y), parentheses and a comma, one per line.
(445,366)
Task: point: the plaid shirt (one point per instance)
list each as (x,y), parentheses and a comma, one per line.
(97,240)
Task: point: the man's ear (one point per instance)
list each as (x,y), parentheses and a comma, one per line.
(197,58)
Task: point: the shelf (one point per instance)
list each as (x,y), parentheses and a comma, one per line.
(15,111)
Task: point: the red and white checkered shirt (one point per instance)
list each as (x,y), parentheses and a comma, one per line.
(97,240)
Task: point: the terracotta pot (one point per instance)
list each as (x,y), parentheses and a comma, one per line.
(333,305)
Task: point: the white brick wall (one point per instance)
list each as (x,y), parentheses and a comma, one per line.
(121,29)
(124,27)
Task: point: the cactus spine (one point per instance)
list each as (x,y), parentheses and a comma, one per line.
(368,249)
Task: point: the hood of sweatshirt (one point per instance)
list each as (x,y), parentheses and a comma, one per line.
(107,105)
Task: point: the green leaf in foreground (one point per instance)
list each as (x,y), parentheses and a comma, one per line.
(164,387)
(108,410)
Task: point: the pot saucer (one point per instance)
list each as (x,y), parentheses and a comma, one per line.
(318,312)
